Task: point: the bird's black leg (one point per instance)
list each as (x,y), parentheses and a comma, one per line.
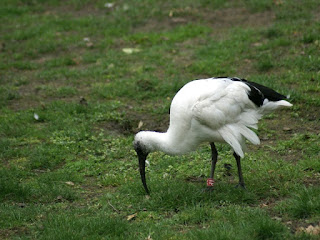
(241,181)
(214,159)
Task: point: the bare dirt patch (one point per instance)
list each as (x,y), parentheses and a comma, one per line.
(284,127)
(89,9)
(94,190)
(231,17)
(218,19)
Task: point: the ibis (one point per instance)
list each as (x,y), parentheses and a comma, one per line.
(212,110)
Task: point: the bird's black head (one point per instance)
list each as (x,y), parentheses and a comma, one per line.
(139,148)
(142,156)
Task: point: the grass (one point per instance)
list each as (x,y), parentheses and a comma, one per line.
(71,172)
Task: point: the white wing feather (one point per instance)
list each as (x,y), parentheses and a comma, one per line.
(231,114)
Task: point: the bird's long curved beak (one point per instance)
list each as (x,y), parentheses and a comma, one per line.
(142,169)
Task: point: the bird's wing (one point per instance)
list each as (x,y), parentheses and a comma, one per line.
(222,105)
(228,111)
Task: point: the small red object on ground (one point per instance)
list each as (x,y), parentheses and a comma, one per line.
(210,182)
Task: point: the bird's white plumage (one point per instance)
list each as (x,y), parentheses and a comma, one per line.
(209,110)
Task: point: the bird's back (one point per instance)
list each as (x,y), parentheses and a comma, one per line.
(221,109)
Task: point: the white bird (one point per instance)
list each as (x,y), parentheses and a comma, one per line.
(211,110)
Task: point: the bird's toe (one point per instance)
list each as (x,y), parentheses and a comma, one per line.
(241,185)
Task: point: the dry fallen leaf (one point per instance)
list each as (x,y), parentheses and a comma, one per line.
(179,20)
(59,198)
(125,7)
(89,44)
(310,230)
(263,205)
(111,65)
(277,218)
(22,205)
(313,230)
(140,124)
(131,217)
(108,5)
(69,183)
(131,50)
(257,44)
(278,2)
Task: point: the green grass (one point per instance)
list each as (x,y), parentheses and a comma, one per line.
(72,172)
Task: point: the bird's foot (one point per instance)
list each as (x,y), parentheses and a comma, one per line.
(210,184)
(240,185)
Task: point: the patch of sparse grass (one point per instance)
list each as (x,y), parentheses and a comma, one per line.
(273,32)
(17,215)
(47,188)
(8,94)
(241,223)
(46,156)
(11,185)
(265,63)
(71,100)
(310,37)
(297,11)
(255,5)
(83,224)
(51,91)
(303,204)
